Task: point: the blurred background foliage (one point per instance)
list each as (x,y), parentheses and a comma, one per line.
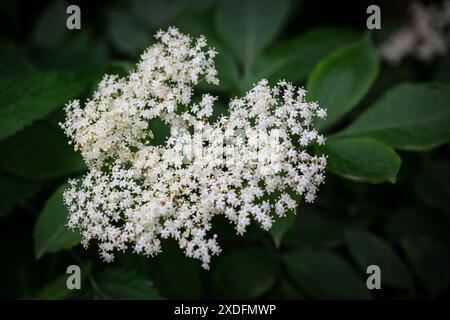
(324,250)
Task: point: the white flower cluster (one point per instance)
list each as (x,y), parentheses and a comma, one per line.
(250,165)
(424,37)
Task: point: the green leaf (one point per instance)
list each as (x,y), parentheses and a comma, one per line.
(126,34)
(13,190)
(443,70)
(84,52)
(280,227)
(361,159)
(294,59)
(249,26)
(244,274)
(284,290)
(9,17)
(432,186)
(289,292)
(421,222)
(342,79)
(40,152)
(408,117)
(315,227)
(50,232)
(121,283)
(368,249)
(13,61)
(430,261)
(157,13)
(31,97)
(323,275)
(50,28)
(172,268)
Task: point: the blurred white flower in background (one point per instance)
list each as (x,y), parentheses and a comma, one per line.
(425,36)
(250,165)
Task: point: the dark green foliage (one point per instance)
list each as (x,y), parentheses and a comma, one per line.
(246,273)
(342,79)
(32,96)
(368,249)
(51,233)
(39,152)
(14,190)
(361,159)
(324,275)
(396,216)
(408,117)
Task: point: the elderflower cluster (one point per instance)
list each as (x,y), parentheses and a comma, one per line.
(251,165)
